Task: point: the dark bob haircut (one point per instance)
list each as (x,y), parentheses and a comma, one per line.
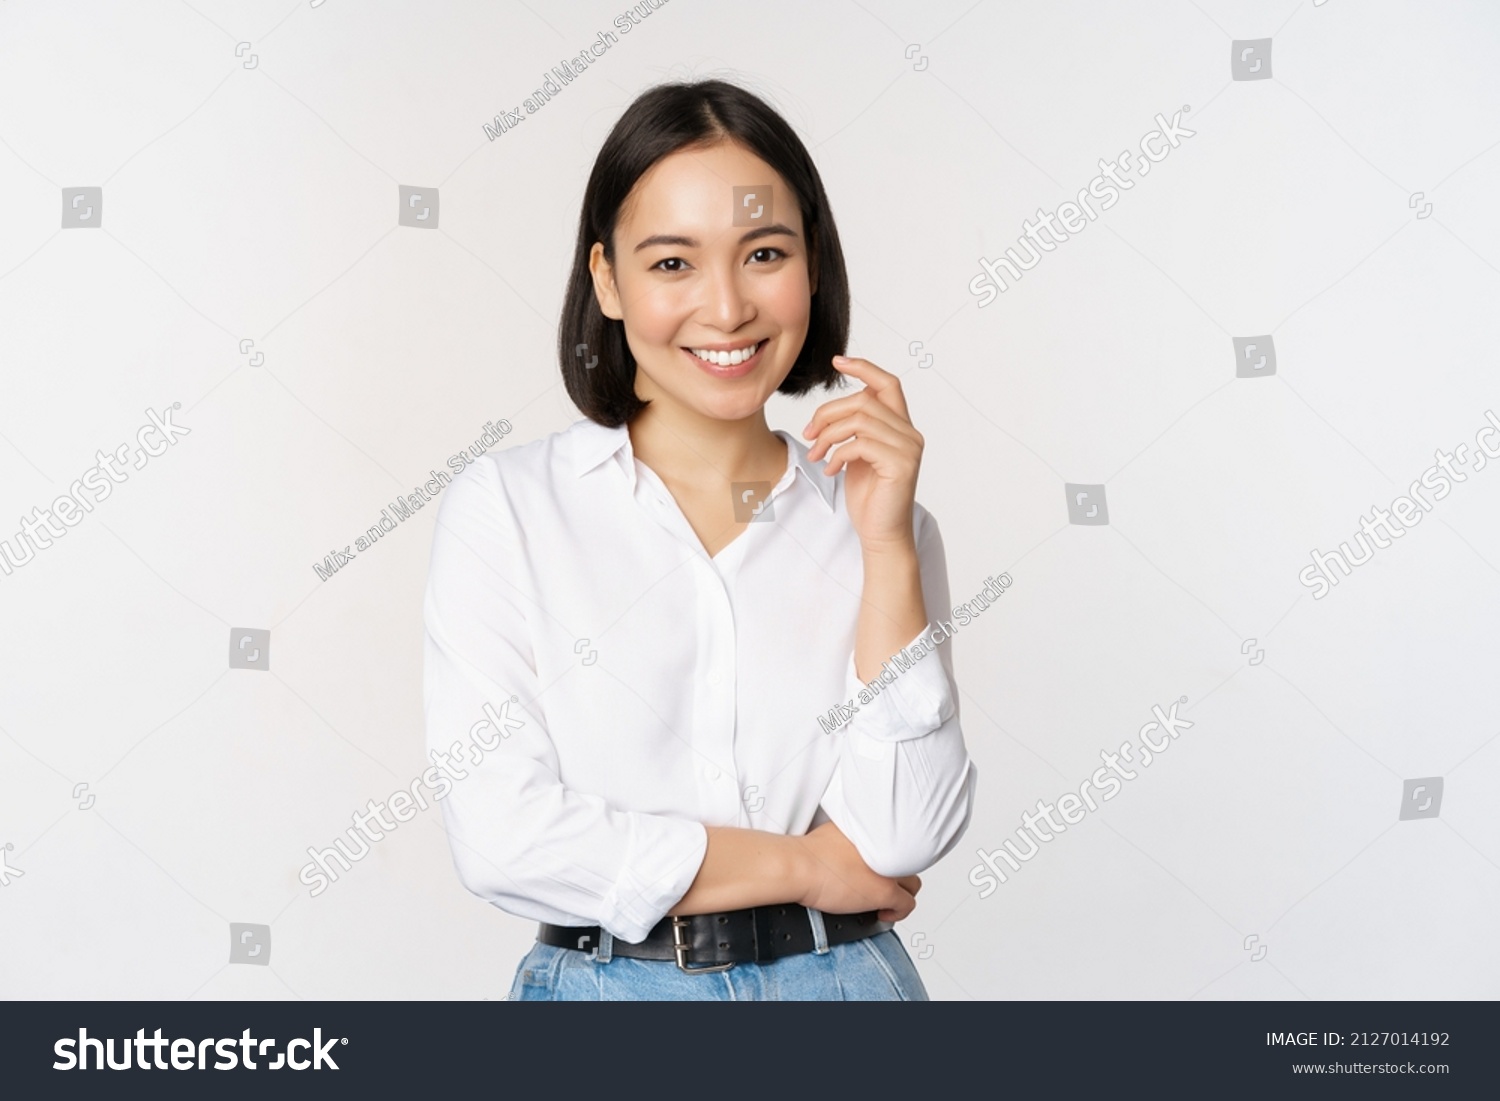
(661,121)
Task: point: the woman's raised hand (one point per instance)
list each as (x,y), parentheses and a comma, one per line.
(881,453)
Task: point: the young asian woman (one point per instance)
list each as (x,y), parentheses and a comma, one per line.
(708,733)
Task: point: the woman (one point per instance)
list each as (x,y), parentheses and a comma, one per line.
(649,636)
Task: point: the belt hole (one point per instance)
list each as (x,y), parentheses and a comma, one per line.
(838,924)
(723,920)
(723,944)
(782,911)
(786,936)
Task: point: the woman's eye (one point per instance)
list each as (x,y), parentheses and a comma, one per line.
(674,264)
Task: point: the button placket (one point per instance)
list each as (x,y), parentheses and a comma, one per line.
(714,697)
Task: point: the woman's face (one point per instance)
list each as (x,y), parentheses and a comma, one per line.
(709,256)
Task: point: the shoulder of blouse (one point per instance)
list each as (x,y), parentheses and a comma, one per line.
(501,482)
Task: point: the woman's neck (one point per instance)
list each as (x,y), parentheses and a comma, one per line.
(687,448)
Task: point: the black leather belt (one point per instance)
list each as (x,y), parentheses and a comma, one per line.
(716,942)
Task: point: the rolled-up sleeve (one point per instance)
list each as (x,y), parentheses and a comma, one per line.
(520,839)
(903,791)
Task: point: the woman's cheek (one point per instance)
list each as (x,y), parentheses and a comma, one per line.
(658,316)
(790,299)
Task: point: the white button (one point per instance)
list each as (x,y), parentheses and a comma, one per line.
(711,772)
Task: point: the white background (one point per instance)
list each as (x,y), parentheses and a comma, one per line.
(261,203)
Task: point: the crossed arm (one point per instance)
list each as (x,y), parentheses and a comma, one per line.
(823,869)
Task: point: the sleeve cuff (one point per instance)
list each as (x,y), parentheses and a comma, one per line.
(915,697)
(661,862)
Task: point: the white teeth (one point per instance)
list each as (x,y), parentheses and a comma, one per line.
(727,359)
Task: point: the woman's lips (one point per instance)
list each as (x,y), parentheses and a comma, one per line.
(734,370)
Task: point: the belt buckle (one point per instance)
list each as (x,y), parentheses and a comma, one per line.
(681,948)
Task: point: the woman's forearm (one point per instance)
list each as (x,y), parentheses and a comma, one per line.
(821,869)
(892,610)
(743,868)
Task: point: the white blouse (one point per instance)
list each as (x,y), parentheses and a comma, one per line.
(613,689)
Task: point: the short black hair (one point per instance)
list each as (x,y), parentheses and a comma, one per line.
(660,121)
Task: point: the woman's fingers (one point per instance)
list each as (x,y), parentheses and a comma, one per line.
(884,385)
(865,425)
(900,907)
(904,899)
(839,410)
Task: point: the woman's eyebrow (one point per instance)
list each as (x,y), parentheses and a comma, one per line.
(692,242)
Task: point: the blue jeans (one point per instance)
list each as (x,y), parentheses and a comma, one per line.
(874,969)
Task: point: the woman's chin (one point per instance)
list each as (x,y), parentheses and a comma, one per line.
(727,407)
(716,402)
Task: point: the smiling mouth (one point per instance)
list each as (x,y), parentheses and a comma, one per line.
(726,359)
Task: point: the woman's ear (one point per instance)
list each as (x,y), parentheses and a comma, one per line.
(605,291)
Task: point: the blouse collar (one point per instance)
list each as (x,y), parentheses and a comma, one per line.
(592,444)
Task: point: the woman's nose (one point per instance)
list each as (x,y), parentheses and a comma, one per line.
(727,303)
